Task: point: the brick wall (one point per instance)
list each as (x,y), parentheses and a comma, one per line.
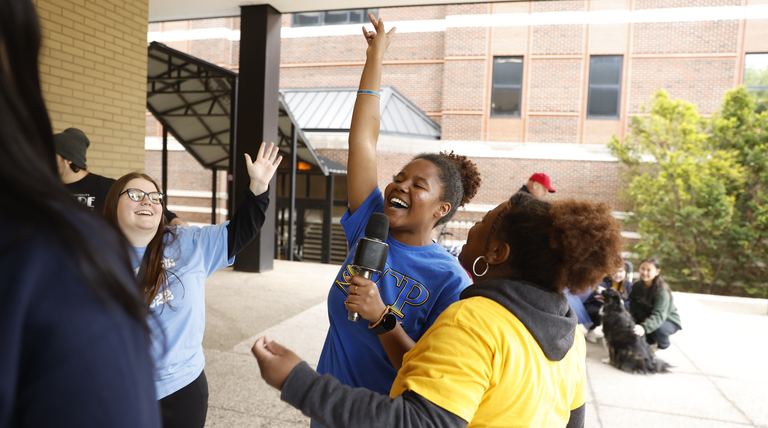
(470,41)
(555,85)
(558,39)
(409,46)
(553,129)
(660,4)
(413,13)
(185,173)
(503,129)
(700,81)
(596,181)
(93,70)
(466,9)
(463,85)
(697,61)
(462,127)
(509,41)
(688,37)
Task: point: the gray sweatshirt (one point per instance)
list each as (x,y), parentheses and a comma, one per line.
(545,314)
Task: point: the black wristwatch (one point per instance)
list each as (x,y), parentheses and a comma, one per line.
(387,323)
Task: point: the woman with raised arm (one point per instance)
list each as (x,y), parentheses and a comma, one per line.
(172,264)
(74,342)
(420,278)
(508,354)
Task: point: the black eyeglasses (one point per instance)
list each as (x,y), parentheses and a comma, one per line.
(137,195)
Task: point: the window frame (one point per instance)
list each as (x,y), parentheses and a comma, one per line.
(324,13)
(519,87)
(616,86)
(744,73)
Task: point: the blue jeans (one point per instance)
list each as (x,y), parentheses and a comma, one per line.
(661,335)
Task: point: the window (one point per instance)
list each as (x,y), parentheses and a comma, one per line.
(333,17)
(756,78)
(507,86)
(604,97)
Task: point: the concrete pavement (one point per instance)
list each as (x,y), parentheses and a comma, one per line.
(719,379)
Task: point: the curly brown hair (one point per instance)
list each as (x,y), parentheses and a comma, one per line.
(567,244)
(459,177)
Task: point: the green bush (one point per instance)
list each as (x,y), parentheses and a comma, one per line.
(698,191)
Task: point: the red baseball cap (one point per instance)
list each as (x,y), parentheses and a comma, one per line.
(542,179)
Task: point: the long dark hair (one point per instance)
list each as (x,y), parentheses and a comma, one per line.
(156,279)
(29,176)
(562,245)
(658,282)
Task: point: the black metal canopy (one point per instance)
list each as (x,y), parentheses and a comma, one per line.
(194,100)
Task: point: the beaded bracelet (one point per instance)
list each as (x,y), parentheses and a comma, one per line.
(368,92)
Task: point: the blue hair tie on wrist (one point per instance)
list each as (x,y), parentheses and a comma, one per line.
(369,92)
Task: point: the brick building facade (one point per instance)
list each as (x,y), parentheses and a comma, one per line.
(93,74)
(443,60)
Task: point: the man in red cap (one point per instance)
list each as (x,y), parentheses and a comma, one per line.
(538,185)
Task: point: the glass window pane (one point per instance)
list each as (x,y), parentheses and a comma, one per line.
(507,70)
(603,102)
(310,18)
(375,13)
(336,17)
(356,16)
(756,69)
(605,70)
(505,102)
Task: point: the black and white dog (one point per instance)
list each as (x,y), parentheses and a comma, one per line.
(626,350)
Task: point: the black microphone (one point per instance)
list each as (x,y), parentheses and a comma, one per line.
(371,252)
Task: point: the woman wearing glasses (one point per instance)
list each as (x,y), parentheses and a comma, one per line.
(172,264)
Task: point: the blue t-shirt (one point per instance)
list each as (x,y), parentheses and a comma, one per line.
(177,319)
(417,282)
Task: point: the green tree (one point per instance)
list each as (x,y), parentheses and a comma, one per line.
(738,129)
(682,192)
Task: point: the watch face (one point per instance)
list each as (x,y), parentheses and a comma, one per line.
(389,321)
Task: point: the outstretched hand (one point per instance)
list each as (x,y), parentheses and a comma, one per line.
(378,39)
(275,361)
(263,168)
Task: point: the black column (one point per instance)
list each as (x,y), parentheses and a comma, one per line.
(165,164)
(328,221)
(213,198)
(292,194)
(257,115)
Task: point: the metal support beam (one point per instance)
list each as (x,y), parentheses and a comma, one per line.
(165,164)
(327,221)
(257,118)
(292,209)
(213,198)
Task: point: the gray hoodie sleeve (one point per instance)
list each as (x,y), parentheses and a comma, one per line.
(578,417)
(324,399)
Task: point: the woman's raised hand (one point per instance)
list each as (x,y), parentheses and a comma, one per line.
(263,168)
(378,39)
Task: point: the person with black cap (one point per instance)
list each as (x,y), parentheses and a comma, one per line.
(90,189)
(538,185)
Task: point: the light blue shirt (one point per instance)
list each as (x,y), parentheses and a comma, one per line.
(177,319)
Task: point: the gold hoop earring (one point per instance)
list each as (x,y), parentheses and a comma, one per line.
(474,266)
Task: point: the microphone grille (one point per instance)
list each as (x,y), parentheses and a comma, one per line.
(377,227)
